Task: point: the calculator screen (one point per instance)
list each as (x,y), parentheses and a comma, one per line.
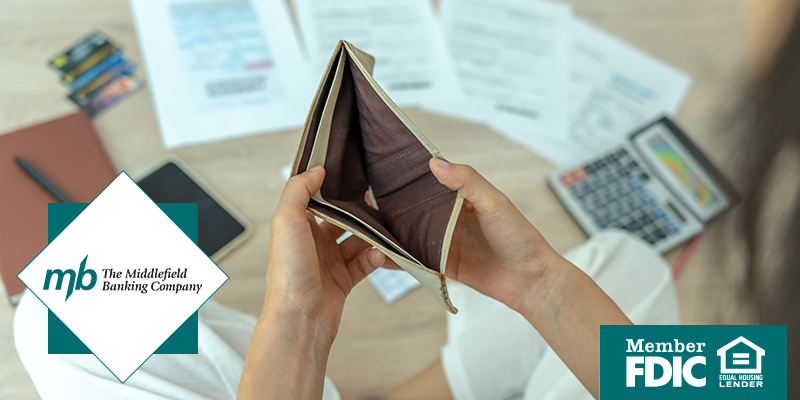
(681,172)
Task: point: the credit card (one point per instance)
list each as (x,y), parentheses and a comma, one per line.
(116,58)
(123,68)
(110,93)
(83,55)
(89,62)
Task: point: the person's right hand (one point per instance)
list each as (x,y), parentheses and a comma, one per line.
(495,249)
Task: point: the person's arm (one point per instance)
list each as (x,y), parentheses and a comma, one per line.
(498,252)
(308,278)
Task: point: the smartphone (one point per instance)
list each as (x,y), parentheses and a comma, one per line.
(220,227)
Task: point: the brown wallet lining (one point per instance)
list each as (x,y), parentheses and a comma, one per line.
(370,146)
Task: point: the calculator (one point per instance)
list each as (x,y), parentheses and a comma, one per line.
(655,184)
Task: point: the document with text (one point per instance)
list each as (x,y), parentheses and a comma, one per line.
(613,89)
(222,68)
(511,58)
(411,64)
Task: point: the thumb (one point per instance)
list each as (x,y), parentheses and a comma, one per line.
(464,179)
(298,191)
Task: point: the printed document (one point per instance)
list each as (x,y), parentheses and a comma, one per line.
(511,58)
(220,69)
(411,64)
(614,88)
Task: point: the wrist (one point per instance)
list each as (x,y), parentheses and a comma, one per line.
(549,275)
(300,320)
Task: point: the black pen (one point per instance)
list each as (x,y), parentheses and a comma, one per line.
(42,180)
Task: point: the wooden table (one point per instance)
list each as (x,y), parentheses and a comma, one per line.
(379,345)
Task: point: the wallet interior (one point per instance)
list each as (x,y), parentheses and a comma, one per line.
(364,145)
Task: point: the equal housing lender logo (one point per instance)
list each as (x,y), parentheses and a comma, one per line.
(693,362)
(122,277)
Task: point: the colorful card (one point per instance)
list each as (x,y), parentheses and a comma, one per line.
(108,94)
(83,55)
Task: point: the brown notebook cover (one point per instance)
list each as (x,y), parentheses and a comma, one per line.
(366,143)
(66,150)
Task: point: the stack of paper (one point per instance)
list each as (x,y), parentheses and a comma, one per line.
(528,68)
(549,81)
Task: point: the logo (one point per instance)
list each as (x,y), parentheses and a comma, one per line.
(72,277)
(672,370)
(141,292)
(740,356)
(693,362)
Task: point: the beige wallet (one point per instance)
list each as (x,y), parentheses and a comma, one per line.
(368,146)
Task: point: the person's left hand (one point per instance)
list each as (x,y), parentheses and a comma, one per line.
(308,272)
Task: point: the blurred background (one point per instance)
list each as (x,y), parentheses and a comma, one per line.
(232,108)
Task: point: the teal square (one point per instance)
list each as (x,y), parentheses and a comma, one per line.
(61,340)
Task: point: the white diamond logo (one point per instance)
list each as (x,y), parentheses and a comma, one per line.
(122,277)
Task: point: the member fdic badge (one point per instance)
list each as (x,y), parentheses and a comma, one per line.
(693,362)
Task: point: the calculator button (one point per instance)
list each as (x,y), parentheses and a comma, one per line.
(659,213)
(671,227)
(623,151)
(601,222)
(649,238)
(635,184)
(660,234)
(567,180)
(644,177)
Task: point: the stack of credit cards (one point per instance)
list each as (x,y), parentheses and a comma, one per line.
(96,72)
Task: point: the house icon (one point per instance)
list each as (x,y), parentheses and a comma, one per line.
(740,356)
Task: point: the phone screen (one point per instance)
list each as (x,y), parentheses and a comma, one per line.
(216,227)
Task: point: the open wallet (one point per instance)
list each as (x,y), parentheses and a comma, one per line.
(370,148)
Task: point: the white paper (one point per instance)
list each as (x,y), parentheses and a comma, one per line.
(511,58)
(411,64)
(220,69)
(392,284)
(614,88)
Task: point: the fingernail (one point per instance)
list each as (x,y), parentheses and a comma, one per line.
(315,169)
(441,163)
(376,258)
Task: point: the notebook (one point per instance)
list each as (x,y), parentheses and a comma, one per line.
(67,151)
(367,145)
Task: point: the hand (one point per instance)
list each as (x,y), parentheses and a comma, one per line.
(495,249)
(308,273)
